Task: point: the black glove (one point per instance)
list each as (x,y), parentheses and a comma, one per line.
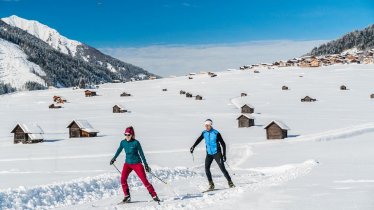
(147,168)
(224,158)
(112,161)
(192,149)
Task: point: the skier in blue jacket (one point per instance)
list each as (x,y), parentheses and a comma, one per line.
(213,142)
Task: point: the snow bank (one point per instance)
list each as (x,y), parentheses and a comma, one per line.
(338,133)
(78,191)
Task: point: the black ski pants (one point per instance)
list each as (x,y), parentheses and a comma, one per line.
(218,158)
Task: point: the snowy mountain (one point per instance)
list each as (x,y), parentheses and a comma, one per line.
(359,39)
(53,59)
(45,33)
(13,63)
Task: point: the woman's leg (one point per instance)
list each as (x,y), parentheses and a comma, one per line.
(125,174)
(139,170)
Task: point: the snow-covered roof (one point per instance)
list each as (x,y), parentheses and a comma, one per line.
(246,115)
(119,106)
(33,130)
(30,128)
(246,105)
(279,123)
(84,125)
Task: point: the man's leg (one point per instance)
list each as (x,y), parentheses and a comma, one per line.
(208,163)
(218,158)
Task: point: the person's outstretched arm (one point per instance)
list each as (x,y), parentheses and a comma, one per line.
(197,142)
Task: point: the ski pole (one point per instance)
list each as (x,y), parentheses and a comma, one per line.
(157,177)
(168,185)
(233,173)
(116,168)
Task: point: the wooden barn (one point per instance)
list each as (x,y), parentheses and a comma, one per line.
(119,109)
(245,121)
(198,97)
(89,93)
(308,99)
(343,87)
(53,106)
(182,92)
(243,94)
(247,109)
(276,130)
(124,94)
(59,99)
(27,133)
(81,128)
(284,87)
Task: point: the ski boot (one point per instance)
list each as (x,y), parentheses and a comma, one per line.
(155,198)
(231,184)
(127,199)
(211,186)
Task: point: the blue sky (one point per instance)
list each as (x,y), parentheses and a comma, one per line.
(125,23)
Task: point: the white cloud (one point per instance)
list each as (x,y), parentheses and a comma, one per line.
(168,60)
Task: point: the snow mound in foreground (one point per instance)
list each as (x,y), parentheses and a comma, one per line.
(78,191)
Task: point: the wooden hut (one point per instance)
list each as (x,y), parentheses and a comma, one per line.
(89,93)
(81,128)
(27,133)
(245,121)
(124,94)
(247,109)
(53,106)
(243,94)
(308,99)
(284,87)
(343,87)
(198,97)
(276,130)
(182,92)
(119,109)
(59,99)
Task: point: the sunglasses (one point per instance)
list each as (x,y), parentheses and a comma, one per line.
(127,134)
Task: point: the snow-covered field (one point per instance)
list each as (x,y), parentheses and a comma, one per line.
(326,163)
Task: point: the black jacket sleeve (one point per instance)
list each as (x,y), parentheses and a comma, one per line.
(198,140)
(222,143)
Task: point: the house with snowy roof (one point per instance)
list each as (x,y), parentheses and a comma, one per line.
(276,130)
(118,109)
(27,133)
(81,128)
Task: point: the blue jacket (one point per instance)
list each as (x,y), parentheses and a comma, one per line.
(213,141)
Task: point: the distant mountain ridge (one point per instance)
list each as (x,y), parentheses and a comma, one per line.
(360,39)
(31,47)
